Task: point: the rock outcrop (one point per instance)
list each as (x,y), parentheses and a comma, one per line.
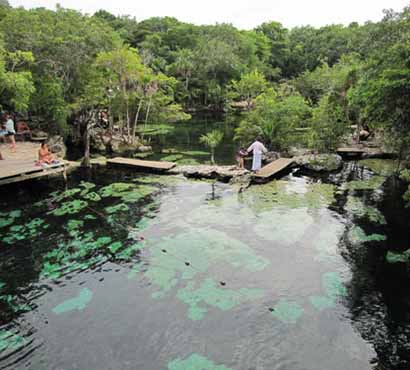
(57,146)
(222,173)
(320,162)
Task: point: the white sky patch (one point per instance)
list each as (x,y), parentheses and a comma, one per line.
(244,14)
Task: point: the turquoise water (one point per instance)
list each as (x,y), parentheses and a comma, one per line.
(119,270)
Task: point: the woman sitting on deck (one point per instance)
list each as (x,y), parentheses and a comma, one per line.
(45,156)
(257,148)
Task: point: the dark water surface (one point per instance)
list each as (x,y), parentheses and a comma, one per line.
(125,271)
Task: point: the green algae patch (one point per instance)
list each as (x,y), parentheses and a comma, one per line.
(77,303)
(172,157)
(29,230)
(375,182)
(211,294)
(397,257)
(201,248)
(322,302)
(327,242)
(10,341)
(334,288)
(194,362)
(128,192)
(283,194)
(383,167)
(118,208)
(285,227)
(356,206)
(333,285)
(7,219)
(70,208)
(357,235)
(288,312)
(187,162)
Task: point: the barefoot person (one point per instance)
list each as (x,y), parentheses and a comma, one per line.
(240,158)
(44,155)
(257,148)
(11,132)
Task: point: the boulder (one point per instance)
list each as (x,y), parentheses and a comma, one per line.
(320,162)
(57,146)
(38,134)
(270,157)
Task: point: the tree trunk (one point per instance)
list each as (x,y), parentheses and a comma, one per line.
(148,109)
(213,156)
(134,129)
(86,160)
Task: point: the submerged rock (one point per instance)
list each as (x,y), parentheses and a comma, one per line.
(320,162)
(223,173)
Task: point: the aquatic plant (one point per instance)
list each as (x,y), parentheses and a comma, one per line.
(356,206)
(288,312)
(70,208)
(172,157)
(194,362)
(31,229)
(397,257)
(10,341)
(373,183)
(382,167)
(128,192)
(122,207)
(357,235)
(7,219)
(212,294)
(77,303)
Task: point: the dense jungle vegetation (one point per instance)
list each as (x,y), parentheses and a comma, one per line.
(61,65)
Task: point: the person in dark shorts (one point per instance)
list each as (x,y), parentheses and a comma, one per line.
(11,132)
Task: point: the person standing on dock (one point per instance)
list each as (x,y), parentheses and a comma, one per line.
(257,148)
(11,132)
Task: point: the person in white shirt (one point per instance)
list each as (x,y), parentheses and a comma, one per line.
(257,148)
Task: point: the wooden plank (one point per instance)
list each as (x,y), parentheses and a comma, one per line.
(273,168)
(138,163)
(351,150)
(28,176)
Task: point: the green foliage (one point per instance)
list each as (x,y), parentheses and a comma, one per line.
(212,140)
(328,125)
(248,87)
(274,117)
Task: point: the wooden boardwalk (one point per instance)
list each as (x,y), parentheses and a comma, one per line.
(141,164)
(15,170)
(273,168)
(350,151)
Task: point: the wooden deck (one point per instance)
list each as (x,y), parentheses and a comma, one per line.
(15,170)
(350,151)
(273,168)
(141,164)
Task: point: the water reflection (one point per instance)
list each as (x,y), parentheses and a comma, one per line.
(133,278)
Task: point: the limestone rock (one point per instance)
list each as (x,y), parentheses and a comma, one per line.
(270,157)
(57,146)
(223,173)
(320,162)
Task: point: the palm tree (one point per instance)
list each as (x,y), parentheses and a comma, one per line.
(212,140)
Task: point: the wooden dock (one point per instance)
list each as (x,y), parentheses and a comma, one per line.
(273,168)
(12,171)
(353,151)
(141,164)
